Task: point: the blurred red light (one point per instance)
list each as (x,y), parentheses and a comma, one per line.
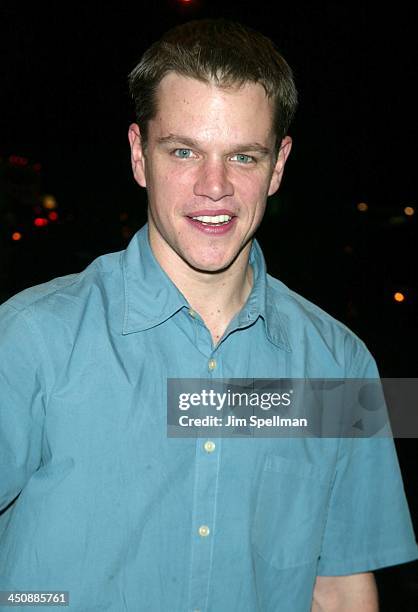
(53,216)
(40,222)
(17,160)
(16,236)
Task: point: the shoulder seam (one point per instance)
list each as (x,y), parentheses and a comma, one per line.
(14,301)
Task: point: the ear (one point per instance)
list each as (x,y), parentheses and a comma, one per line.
(277,175)
(137,154)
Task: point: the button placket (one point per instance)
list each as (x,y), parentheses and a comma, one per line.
(207,469)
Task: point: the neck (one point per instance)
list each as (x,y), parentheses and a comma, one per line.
(216,296)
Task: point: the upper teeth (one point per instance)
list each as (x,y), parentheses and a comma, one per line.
(216,219)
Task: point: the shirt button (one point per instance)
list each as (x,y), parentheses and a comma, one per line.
(212,364)
(192,312)
(209,446)
(204,531)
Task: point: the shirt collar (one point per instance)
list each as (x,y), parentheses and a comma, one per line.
(262,302)
(151,297)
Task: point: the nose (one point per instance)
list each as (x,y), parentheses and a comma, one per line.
(213,181)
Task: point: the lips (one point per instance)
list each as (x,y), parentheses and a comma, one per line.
(212,222)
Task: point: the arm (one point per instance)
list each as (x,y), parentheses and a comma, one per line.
(355,593)
(21,403)
(368,525)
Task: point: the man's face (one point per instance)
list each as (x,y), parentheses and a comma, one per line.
(208,167)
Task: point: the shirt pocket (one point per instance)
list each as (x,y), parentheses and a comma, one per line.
(291,511)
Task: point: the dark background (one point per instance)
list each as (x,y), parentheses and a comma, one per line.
(64,116)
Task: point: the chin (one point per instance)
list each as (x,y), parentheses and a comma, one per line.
(209,260)
(209,266)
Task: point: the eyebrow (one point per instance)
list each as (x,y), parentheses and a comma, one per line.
(190,142)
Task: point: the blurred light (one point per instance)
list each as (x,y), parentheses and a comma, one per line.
(409,211)
(362,207)
(399,297)
(16,236)
(49,202)
(17,160)
(53,216)
(40,222)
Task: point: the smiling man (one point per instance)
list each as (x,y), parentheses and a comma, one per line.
(209,163)
(97,500)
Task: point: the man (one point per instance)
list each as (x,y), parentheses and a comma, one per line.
(108,507)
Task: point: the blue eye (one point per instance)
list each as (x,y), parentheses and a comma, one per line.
(183,153)
(243,159)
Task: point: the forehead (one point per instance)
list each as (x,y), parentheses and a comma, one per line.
(203,110)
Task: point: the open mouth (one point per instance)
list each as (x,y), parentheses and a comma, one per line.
(213,224)
(215,220)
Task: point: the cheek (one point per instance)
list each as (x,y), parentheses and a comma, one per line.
(159,187)
(253,193)
(167,194)
(172,181)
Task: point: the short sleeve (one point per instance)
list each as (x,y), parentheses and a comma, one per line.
(368,524)
(22,395)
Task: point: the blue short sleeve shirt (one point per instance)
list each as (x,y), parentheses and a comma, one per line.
(127,519)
